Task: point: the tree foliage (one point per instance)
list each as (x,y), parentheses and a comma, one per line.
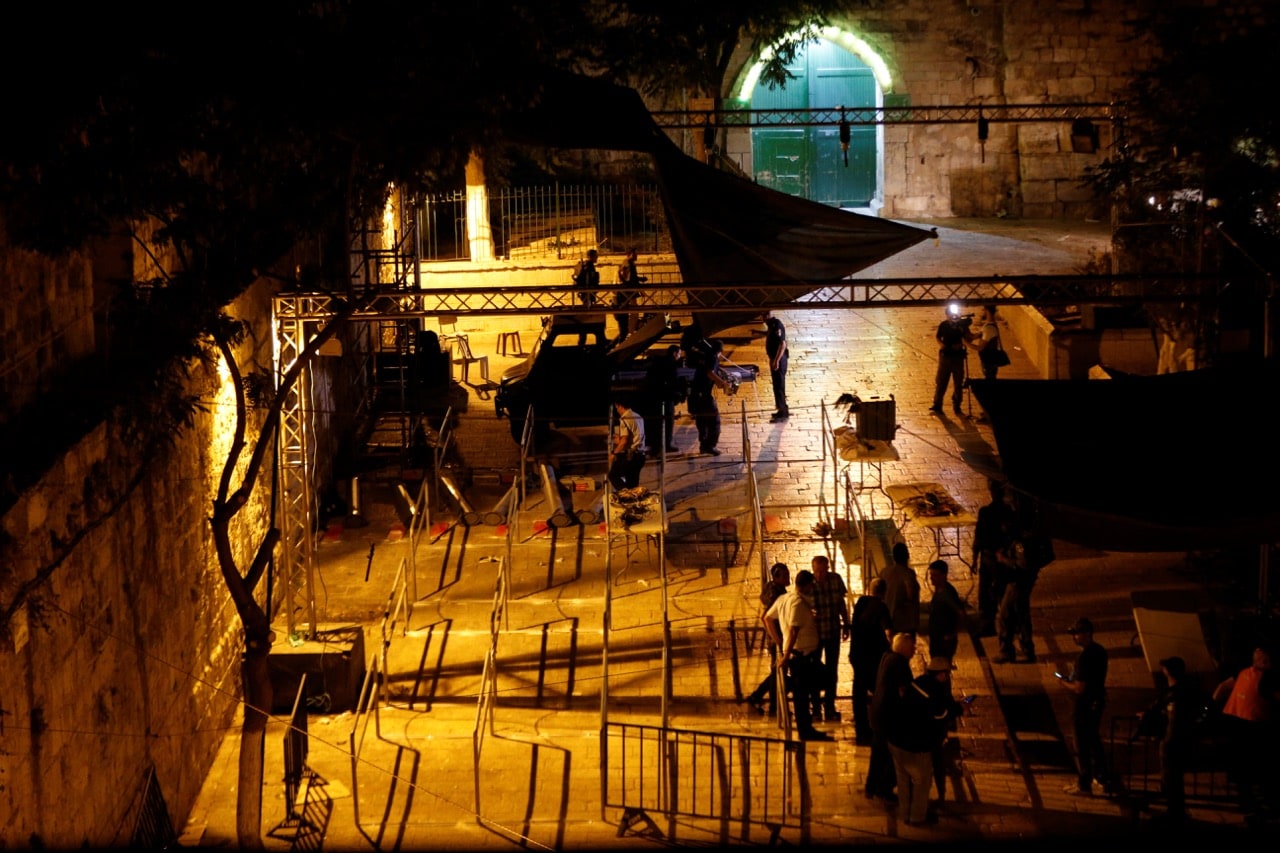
(1195,175)
(1201,138)
(238,123)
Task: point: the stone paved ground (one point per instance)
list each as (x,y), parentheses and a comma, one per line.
(416,782)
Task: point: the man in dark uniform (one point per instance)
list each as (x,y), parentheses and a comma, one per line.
(1179,707)
(946,613)
(664,389)
(587,278)
(705,357)
(775,346)
(994,532)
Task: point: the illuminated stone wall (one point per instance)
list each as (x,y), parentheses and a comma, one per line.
(993,52)
(127,656)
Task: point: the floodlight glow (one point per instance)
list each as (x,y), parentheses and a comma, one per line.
(835,35)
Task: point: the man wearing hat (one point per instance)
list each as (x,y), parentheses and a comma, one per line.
(1087,681)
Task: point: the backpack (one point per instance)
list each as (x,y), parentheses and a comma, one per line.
(993,353)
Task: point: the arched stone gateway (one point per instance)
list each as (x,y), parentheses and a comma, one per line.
(842,167)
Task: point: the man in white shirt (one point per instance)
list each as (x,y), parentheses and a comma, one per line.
(626,456)
(794,629)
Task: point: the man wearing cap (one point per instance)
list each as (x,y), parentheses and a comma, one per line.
(780,579)
(1087,681)
(793,628)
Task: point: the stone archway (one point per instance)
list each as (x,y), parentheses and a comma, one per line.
(838,69)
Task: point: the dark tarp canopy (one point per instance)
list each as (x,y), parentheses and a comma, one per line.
(1144,463)
(724,229)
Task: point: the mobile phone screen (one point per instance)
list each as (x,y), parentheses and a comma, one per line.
(968,700)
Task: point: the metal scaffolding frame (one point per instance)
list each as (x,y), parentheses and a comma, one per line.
(299,316)
(890,115)
(675,297)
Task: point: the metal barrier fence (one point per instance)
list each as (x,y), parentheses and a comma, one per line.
(397,611)
(1135,759)
(488,698)
(737,780)
(560,221)
(296,743)
(307,805)
(366,710)
(152,829)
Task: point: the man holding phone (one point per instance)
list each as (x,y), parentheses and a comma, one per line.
(1087,680)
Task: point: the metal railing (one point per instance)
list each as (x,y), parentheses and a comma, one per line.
(398,606)
(366,711)
(296,742)
(507,299)
(560,221)
(151,827)
(738,780)
(1135,759)
(488,698)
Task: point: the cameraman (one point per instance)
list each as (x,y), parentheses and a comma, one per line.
(953,335)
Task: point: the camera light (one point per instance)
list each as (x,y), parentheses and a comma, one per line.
(954,309)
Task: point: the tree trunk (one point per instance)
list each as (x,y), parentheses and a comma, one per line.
(253,735)
(479,230)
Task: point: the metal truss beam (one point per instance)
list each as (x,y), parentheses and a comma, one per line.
(688,297)
(295,450)
(821,116)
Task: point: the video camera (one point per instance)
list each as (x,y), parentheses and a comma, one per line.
(964,321)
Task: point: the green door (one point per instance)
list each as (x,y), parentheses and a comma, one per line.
(781,154)
(808,161)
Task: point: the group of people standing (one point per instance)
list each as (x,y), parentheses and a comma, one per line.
(906,720)
(804,628)
(586,279)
